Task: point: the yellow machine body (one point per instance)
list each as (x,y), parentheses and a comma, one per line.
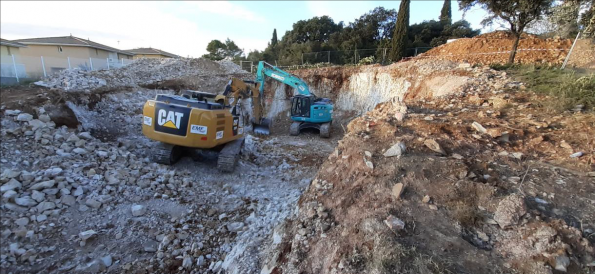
(165,121)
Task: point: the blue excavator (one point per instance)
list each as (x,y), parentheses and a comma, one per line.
(307,110)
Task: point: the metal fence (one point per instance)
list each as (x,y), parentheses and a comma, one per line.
(581,55)
(358,56)
(339,57)
(15,69)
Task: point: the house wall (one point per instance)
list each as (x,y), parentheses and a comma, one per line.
(127,57)
(56,60)
(7,51)
(138,56)
(53,58)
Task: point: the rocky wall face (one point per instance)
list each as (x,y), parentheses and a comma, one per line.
(355,91)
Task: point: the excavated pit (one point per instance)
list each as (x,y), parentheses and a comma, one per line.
(270,215)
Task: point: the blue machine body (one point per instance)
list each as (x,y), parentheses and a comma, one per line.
(305,106)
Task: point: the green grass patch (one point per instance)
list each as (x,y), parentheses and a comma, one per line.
(568,88)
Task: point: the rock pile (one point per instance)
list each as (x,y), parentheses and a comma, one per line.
(59,182)
(440,181)
(140,72)
(494,48)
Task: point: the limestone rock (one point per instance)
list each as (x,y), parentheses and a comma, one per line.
(397,149)
(24,117)
(138,210)
(510,210)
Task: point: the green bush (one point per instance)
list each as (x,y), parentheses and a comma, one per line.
(569,88)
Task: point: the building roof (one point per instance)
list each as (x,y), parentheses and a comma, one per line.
(5,42)
(70,41)
(152,51)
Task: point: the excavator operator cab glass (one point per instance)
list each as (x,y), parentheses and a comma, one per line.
(300,106)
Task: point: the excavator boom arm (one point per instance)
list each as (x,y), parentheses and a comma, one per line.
(267,70)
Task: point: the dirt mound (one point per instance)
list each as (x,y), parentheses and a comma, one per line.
(494,48)
(143,72)
(483,184)
(356,90)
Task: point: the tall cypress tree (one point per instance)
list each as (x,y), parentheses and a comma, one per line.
(399,41)
(446,13)
(274,39)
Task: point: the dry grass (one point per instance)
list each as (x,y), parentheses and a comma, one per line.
(390,256)
(566,88)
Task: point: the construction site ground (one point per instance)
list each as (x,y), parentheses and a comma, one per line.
(444,168)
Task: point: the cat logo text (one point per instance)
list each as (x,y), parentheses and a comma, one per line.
(170,119)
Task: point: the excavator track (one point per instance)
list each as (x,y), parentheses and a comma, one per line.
(294,129)
(166,154)
(325,130)
(229,155)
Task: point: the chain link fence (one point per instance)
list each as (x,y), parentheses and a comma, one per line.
(16,69)
(581,56)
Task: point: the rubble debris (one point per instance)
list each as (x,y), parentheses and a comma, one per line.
(394,223)
(138,210)
(140,72)
(397,149)
(398,190)
(477,126)
(433,145)
(510,210)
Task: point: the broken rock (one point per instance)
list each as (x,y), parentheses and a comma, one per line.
(477,126)
(398,190)
(85,235)
(24,117)
(394,223)
(510,210)
(433,145)
(138,210)
(397,149)
(10,185)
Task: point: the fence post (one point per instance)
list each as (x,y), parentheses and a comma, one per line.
(122,61)
(107,59)
(302,58)
(43,66)
(328,57)
(14,66)
(570,51)
(69,67)
(91,62)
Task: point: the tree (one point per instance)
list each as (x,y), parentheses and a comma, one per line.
(517,13)
(306,36)
(446,13)
(274,39)
(370,31)
(588,21)
(219,50)
(399,41)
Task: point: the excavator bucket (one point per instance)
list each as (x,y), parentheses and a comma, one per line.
(263,127)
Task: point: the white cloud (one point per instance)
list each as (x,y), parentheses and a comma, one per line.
(133,24)
(228,9)
(319,8)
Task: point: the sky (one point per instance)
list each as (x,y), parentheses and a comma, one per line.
(185,28)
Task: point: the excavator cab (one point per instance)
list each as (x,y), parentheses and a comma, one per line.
(300,106)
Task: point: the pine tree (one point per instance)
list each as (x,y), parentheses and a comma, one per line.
(274,39)
(399,41)
(446,13)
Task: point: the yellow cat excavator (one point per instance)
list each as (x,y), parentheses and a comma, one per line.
(203,121)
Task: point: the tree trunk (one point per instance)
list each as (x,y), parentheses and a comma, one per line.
(514,47)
